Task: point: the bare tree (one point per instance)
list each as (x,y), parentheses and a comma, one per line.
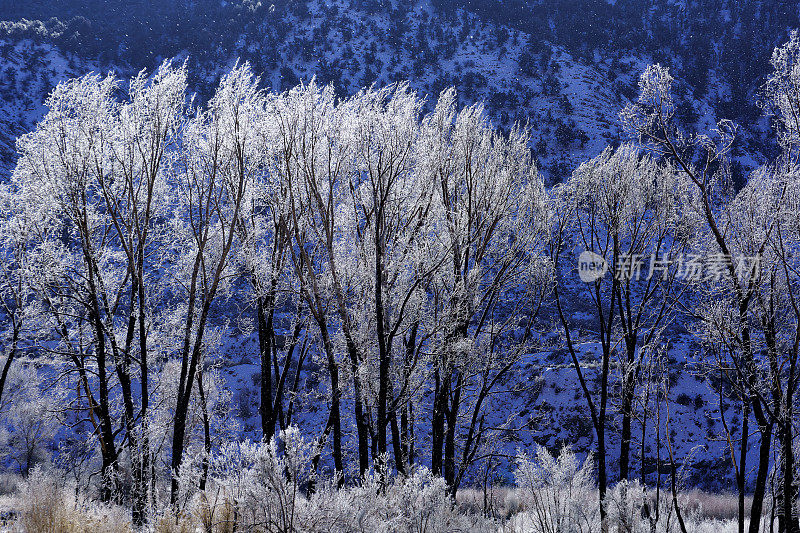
(739,232)
(491,214)
(210,175)
(58,183)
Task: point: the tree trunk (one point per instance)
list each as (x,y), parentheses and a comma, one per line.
(441,391)
(265,337)
(384,357)
(335,414)
(12,353)
(361,424)
(674,489)
(759,490)
(188,373)
(405,435)
(628,390)
(740,478)
(788,489)
(147,474)
(450,436)
(625,438)
(602,479)
(397,446)
(139,484)
(178,434)
(206,431)
(108,446)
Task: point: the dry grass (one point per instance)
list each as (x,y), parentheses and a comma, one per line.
(504,502)
(47,506)
(723,506)
(216,516)
(175,524)
(208,517)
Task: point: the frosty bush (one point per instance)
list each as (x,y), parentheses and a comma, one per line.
(270,494)
(268,487)
(625,503)
(264,487)
(417,503)
(559,493)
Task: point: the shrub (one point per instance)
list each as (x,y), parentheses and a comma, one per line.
(265,487)
(49,506)
(559,492)
(624,504)
(684,399)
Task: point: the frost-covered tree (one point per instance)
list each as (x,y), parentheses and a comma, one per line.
(19,309)
(627,210)
(58,184)
(89,198)
(384,253)
(265,234)
(651,121)
(490,216)
(748,307)
(312,162)
(210,177)
(136,198)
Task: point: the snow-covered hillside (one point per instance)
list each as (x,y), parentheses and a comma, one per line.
(570,103)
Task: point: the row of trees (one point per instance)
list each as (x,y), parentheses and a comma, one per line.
(401,248)
(412,253)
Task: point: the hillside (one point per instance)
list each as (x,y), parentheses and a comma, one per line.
(566,85)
